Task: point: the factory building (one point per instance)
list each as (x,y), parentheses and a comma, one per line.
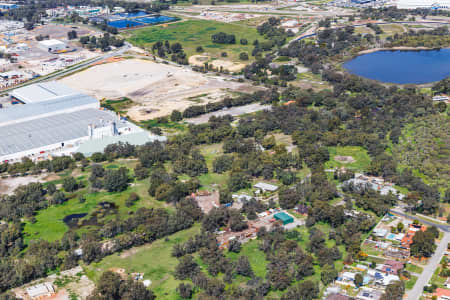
(52,45)
(41,92)
(428,4)
(58,122)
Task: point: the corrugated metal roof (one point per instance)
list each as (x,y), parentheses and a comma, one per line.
(20,112)
(138,138)
(42,92)
(52,130)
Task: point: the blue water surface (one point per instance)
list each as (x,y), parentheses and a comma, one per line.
(132,14)
(154,20)
(402,67)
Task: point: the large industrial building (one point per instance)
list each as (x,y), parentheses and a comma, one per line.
(60,121)
(428,4)
(42,92)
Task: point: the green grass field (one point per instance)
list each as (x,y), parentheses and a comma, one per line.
(359,154)
(49,223)
(153,260)
(194,33)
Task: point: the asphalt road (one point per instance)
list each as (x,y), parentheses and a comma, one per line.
(429,269)
(73,69)
(444,228)
(433,263)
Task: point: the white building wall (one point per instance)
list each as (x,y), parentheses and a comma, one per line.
(45,151)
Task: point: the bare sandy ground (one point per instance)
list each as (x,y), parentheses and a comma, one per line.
(234,111)
(158,88)
(199,60)
(8,185)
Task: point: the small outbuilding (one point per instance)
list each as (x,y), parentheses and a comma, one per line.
(265,187)
(284,217)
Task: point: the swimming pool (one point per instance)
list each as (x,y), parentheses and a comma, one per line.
(391,236)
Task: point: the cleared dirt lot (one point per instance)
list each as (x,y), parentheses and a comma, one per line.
(158,88)
(234,111)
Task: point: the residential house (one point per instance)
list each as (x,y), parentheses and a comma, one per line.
(380,232)
(265,187)
(392,267)
(369,294)
(40,290)
(337,297)
(442,294)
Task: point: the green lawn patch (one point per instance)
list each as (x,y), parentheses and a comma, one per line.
(153,260)
(414,268)
(359,154)
(194,33)
(49,223)
(256,257)
(411,282)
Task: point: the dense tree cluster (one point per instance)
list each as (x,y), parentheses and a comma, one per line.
(223,38)
(111,286)
(103,43)
(176,52)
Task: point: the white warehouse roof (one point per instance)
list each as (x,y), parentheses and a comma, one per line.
(41,92)
(27,112)
(59,128)
(433,4)
(51,43)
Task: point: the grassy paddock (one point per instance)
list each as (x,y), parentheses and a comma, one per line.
(49,223)
(153,260)
(359,154)
(194,33)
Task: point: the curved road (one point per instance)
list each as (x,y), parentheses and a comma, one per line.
(380,23)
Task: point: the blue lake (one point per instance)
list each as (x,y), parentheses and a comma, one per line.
(402,67)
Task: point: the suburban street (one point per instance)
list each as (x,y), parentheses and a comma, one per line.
(429,269)
(434,261)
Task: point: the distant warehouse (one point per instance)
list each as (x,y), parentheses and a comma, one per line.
(60,121)
(428,4)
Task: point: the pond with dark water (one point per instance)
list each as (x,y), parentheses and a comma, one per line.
(402,66)
(72,220)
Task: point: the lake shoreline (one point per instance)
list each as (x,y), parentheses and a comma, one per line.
(400,48)
(401,67)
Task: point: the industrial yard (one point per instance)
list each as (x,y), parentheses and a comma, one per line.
(157,88)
